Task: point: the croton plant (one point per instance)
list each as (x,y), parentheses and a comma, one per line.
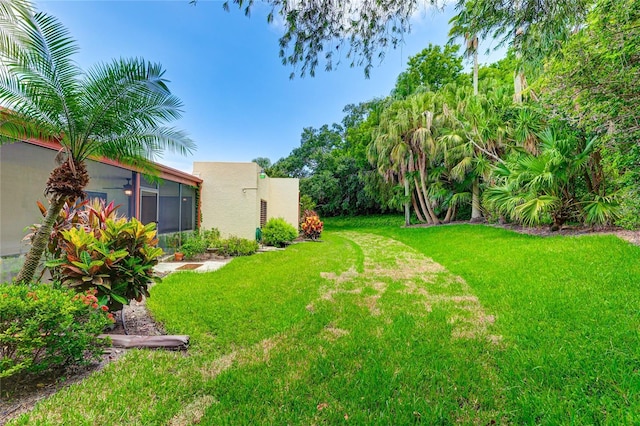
(92,247)
(311,225)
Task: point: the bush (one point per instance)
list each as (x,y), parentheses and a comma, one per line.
(278,232)
(311,225)
(114,255)
(88,215)
(42,327)
(211,236)
(236,246)
(193,246)
(199,241)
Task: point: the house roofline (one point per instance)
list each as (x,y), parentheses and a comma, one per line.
(165,172)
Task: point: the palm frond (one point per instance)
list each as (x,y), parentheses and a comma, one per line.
(11,39)
(127,96)
(39,78)
(601,210)
(147,143)
(536,208)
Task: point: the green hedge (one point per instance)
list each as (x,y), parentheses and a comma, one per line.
(42,327)
(278,232)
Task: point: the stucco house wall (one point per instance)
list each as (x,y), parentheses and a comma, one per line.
(284,193)
(231,197)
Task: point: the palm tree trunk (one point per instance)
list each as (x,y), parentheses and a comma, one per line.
(476,213)
(40,241)
(423,204)
(449,215)
(519,85)
(518,75)
(430,211)
(407,212)
(475,71)
(416,208)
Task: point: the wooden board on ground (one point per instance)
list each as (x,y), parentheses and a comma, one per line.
(175,342)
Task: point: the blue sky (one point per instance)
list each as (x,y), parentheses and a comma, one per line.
(239,102)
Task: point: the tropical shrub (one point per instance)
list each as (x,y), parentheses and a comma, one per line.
(116,257)
(236,246)
(563,182)
(311,225)
(278,232)
(42,326)
(87,214)
(211,236)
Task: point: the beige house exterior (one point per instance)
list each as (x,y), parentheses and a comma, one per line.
(238,198)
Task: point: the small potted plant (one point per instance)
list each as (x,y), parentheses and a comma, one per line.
(175,242)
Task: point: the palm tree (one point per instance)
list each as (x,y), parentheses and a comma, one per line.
(115,110)
(406,151)
(551,186)
(475,136)
(462,25)
(534,28)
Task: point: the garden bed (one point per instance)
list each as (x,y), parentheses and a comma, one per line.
(19,394)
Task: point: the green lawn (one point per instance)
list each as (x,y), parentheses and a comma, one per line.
(383,325)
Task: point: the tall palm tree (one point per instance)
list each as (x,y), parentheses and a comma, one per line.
(534,28)
(463,25)
(116,110)
(475,136)
(405,148)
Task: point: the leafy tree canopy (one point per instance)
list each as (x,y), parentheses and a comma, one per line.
(312,154)
(360,32)
(430,69)
(594,80)
(357,31)
(263,162)
(534,27)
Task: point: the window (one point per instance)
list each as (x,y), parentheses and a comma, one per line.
(263,213)
(169,211)
(188,206)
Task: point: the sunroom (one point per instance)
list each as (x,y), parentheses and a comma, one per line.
(170,199)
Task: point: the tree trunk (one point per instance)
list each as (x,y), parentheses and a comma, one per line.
(475,71)
(407,212)
(423,204)
(416,208)
(40,241)
(449,215)
(518,86)
(427,203)
(476,213)
(518,75)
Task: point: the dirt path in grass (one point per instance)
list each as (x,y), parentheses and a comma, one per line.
(386,265)
(429,282)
